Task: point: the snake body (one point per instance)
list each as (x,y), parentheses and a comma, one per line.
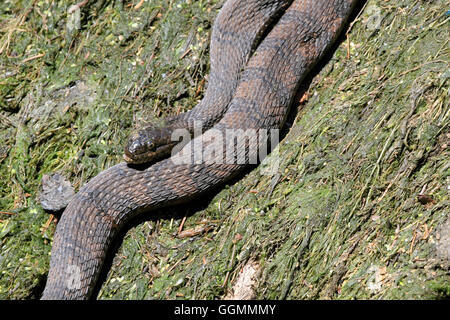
(236,32)
(260,99)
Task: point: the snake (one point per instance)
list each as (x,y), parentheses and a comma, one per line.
(230,49)
(261,51)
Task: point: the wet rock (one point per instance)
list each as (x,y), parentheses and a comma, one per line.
(56,192)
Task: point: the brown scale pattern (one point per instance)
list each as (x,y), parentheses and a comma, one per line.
(236,33)
(262,99)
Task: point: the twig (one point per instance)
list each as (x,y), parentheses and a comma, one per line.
(180,228)
(139,5)
(77,6)
(8,213)
(40,55)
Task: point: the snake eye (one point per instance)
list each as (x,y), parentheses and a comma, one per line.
(149,144)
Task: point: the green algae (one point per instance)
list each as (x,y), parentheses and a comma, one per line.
(339,220)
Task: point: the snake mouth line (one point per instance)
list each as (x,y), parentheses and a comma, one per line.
(150,156)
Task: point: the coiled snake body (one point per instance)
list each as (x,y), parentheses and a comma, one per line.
(259,97)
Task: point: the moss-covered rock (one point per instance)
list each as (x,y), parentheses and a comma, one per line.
(357,209)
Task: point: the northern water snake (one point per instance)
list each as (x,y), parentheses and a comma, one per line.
(237,30)
(261,100)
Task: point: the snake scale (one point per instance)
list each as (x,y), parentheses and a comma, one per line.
(261,50)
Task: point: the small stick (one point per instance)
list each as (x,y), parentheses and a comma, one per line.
(139,5)
(9,213)
(33,57)
(181,225)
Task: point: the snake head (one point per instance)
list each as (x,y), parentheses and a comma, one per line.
(148,145)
